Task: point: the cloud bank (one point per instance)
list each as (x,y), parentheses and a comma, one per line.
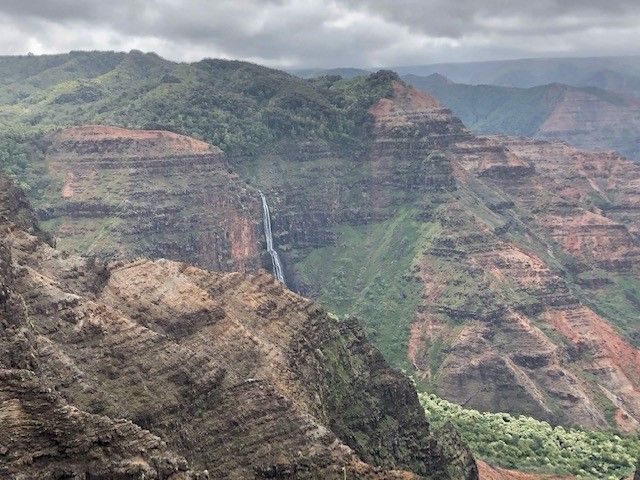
(320,33)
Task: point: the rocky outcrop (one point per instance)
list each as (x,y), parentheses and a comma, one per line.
(238,375)
(45,437)
(127,193)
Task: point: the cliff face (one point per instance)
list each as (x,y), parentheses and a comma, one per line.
(233,373)
(513,306)
(491,266)
(503,272)
(128,193)
(43,435)
(542,256)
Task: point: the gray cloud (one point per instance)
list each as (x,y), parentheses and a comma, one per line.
(300,33)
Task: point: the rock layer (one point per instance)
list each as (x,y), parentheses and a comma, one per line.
(242,377)
(126,193)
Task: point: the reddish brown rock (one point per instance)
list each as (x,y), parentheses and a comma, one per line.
(517,337)
(127,193)
(242,377)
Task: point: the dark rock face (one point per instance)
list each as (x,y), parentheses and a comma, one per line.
(45,437)
(239,376)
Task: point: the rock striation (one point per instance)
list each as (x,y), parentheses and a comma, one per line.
(126,193)
(502,271)
(158,369)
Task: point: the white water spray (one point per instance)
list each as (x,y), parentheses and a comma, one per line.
(275,258)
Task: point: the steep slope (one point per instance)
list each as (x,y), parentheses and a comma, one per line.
(533,252)
(503,273)
(42,435)
(588,118)
(485,276)
(242,377)
(125,193)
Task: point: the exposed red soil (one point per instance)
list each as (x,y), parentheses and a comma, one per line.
(489,472)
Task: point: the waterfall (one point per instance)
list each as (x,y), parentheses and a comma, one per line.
(275,258)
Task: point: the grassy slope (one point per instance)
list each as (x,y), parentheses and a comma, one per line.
(366,275)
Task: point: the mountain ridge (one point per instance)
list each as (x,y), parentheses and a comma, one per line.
(587,117)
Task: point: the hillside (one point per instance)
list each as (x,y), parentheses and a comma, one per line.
(138,370)
(502,273)
(237,106)
(585,117)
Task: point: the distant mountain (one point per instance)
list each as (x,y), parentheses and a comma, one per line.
(619,74)
(345,72)
(586,117)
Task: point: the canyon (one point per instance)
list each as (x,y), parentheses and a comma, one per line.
(500,272)
(158,369)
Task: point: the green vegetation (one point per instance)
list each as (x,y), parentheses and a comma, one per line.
(523,443)
(619,302)
(366,275)
(22,159)
(240,107)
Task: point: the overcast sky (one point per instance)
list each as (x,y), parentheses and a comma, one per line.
(322,33)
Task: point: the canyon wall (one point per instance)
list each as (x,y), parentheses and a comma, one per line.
(509,256)
(121,193)
(502,272)
(158,369)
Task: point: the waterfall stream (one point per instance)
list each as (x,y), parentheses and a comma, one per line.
(275,258)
